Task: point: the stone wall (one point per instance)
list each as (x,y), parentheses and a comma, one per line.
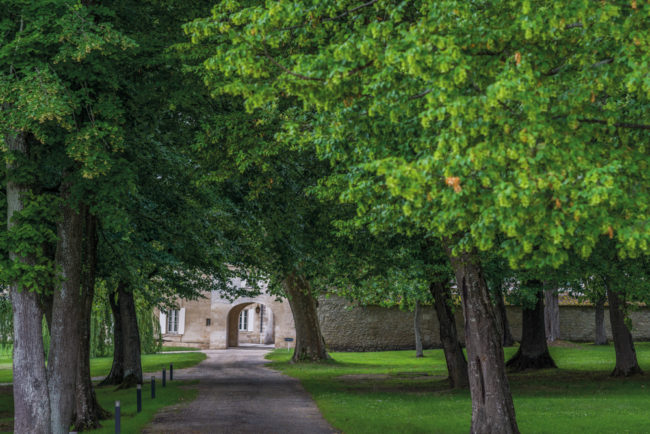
(347,327)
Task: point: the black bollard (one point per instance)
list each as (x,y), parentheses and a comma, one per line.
(171,371)
(118,427)
(139,397)
(164,377)
(153,387)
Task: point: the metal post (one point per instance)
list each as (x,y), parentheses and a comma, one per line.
(139,397)
(153,387)
(171,371)
(164,379)
(118,427)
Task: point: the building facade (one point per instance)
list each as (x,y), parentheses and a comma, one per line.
(214,322)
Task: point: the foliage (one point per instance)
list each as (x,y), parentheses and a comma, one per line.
(6,320)
(518,129)
(101,324)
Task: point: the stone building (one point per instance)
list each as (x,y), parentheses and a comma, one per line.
(214,322)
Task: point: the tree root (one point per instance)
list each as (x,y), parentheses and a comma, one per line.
(520,362)
(618,372)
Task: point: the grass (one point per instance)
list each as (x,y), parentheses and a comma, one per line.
(101,366)
(175,392)
(395,392)
(167,349)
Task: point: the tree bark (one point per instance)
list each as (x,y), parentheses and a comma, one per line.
(601,332)
(310,345)
(551,315)
(492,407)
(533,351)
(417,320)
(626,363)
(456,363)
(130,338)
(117,368)
(31,399)
(88,412)
(502,319)
(64,342)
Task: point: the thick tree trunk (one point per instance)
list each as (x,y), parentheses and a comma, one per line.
(310,345)
(88,412)
(130,338)
(417,320)
(492,407)
(502,319)
(626,363)
(533,351)
(456,363)
(64,343)
(117,368)
(31,399)
(601,332)
(551,315)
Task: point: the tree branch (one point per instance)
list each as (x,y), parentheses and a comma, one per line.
(341,15)
(616,124)
(419,95)
(288,71)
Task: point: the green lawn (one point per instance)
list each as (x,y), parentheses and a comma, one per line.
(175,392)
(167,349)
(395,392)
(101,366)
(132,421)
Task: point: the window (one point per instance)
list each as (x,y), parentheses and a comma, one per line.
(243,320)
(172,321)
(208,321)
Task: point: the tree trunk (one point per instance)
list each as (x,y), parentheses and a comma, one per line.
(130,338)
(310,345)
(88,412)
(492,407)
(533,351)
(601,332)
(551,315)
(456,363)
(64,342)
(31,400)
(502,319)
(417,320)
(117,368)
(626,363)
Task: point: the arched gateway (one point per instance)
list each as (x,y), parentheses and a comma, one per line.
(214,322)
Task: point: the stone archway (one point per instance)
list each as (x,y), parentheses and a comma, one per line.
(258,325)
(274,313)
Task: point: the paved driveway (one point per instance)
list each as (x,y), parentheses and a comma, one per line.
(238,394)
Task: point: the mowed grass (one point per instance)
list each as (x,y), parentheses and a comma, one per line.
(395,392)
(174,393)
(168,349)
(101,366)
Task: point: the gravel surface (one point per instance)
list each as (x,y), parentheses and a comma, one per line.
(238,394)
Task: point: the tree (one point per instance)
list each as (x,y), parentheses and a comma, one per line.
(552,314)
(469,114)
(622,282)
(533,350)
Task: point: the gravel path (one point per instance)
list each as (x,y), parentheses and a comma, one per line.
(238,394)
